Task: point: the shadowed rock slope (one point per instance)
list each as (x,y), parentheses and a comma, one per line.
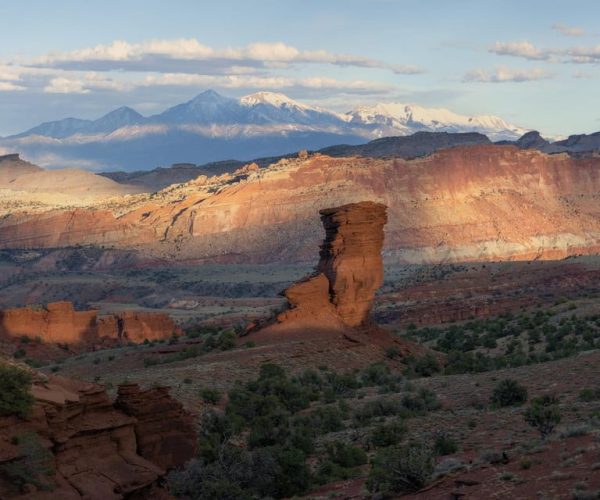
(75,444)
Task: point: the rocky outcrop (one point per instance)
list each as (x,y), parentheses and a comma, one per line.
(58,322)
(165,432)
(351,258)
(92,446)
(76,444)
(340,294)
(333,306)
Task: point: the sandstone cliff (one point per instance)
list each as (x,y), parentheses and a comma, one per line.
(76,444)
(58,322)
(483,202)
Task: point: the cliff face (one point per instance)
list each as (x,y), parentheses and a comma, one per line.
(483,202)
(90,448)
(60,323)
(165,432)
(87,448)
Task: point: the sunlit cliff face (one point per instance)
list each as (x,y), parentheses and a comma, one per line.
(464,203)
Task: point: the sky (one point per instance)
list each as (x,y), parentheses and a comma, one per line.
(534,63)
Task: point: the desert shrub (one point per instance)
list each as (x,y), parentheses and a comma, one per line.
(14,391)
(387,434)
(381,407)
(346,455)
(34,466)
(420,366)
(322,420)
(392,352)
(508,392)
(19,353)
(587,395)
(443,444)
(226,340)
(420,403)
(401,469)
(543,414)
(210,396)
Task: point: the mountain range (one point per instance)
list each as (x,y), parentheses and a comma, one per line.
(212,127)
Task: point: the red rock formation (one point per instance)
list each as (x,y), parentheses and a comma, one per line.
(350,271)
(336,301)
(60,323)
(98,450)
(351,257)
(93,445)
(165,432)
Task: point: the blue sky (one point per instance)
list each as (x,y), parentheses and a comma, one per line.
(535,63)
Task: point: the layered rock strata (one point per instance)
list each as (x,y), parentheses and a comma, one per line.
(351,258)
(76,444)
(58,322)
(337,299)
(474,203)
(164,430)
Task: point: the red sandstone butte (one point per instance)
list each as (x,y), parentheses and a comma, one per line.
(336,301)
(58,322)
(351,257)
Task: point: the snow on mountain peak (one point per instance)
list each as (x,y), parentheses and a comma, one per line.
(273,98)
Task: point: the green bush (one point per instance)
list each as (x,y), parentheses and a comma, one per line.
(388,434)
(443,444)
(423,366)
(346,455)
(543,414)
(14,391)
(34,466)
(210,396)
(587,395)
(508,392)
(401,469)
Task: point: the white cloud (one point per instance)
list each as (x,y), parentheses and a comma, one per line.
(159,55)
(10,87)
(523,49)
(502,74)
(566,30)
(83,84)
(569,55)
(261,82)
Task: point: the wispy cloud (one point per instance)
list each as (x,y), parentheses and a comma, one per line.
(567,30)
(189,55)
(527,50)
(506,75)
(523,49)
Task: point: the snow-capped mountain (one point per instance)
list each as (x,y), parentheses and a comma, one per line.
(213,127)
(385,118)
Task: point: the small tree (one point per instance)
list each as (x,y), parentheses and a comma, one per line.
(14,391)
(508,392)
(543,414)
(401,469)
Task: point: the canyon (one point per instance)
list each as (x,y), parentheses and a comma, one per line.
(467,203)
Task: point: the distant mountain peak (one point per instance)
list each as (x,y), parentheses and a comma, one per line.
(272,98)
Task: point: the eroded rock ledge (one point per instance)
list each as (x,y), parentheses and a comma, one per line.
(58,322)
(97,449)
